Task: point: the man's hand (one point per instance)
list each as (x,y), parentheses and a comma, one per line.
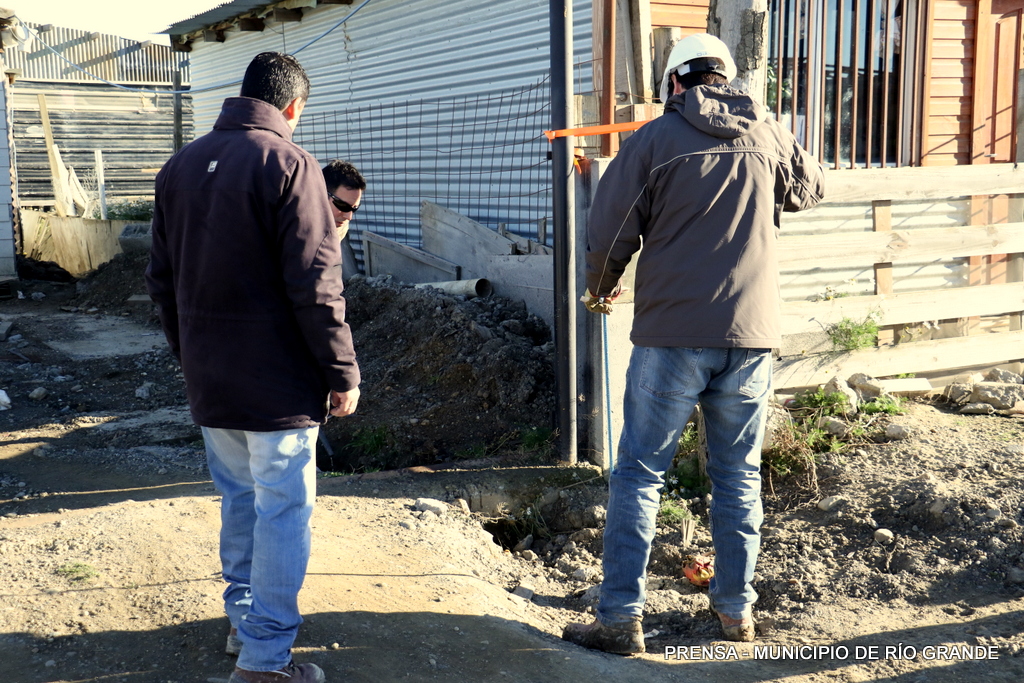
(602,304)
(344,403)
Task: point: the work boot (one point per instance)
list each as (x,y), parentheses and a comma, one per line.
(627,639)
(233,646)
(293,673)
(738,630)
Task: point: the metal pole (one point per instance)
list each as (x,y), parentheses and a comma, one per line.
(608,146)
(179,132)
(564,225)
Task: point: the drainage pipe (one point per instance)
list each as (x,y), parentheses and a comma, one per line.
(471,288)
(564,225)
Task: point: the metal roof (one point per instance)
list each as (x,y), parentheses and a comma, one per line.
(224,12)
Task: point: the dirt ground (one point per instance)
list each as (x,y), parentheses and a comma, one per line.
(108,522)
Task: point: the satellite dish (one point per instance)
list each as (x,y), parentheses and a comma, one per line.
(13,35)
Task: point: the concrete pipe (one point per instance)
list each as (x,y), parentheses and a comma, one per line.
(471,288)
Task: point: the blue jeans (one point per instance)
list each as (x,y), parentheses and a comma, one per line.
(662,387)
(267,481)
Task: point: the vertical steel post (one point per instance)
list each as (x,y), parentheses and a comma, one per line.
(564,225)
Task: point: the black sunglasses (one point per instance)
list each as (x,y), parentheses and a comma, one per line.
(342,205)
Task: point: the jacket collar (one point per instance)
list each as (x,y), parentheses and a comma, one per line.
(246,113)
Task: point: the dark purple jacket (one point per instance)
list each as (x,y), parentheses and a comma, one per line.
(246,271)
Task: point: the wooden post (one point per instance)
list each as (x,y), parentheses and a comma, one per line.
(640,22)
(101,184)
(743,26)
(881,219)
(1015,267)
(179,132)
(56,166)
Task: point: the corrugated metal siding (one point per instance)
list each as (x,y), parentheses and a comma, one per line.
(119,60)
(395,52)
(8,247)
(135,132)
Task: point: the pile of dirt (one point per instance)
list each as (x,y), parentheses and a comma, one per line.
(443,377)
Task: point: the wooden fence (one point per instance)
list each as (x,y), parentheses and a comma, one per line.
(991,241)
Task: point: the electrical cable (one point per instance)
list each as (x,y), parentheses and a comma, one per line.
(211,88)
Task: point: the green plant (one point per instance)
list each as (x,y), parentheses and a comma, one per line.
(128,210)
(821,403)
(794,451)
(537,439)
(76,572)
(890,405)
(673,512)
(852,335)
(371,441)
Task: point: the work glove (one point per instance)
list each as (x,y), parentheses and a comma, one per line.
(600,304)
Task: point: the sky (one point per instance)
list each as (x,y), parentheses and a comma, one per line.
(136,19)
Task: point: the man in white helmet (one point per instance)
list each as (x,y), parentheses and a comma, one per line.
(701,189)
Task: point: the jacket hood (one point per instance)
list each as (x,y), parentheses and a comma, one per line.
(246,113)
(719,110)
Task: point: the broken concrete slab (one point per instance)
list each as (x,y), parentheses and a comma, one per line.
(382,256)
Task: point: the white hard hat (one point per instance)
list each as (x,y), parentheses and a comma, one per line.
(703,46)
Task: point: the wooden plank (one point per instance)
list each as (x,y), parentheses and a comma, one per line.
(881,219)
(820,252)
(529,279)
(801,317)
(57,171)
(925,356)
(958,11)
(900,184)
(382,256)
(982,95)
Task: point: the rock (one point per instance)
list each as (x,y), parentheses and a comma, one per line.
(1015,575)
(463,506)
(143,391)
(884,536)
(524,544)
(1000,375)
(1001,395)
(524,590)
(38,296)
(5,400)
(586,574)
(429,516)
(993,513)
(5,328)
(958,392)
(865,385)
(977,409)
(832,425)
(996,544)
(896,432)
(431,505)
(839,386)
(831,503)
(38,394)
(1007,523)
(529,556)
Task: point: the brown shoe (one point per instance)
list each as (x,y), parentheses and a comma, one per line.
(293,673)
(737,630)
(233,646)
(627,639)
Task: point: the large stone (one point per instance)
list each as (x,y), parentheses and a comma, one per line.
(958,393)
(867,387)
(840,386)
(1000,375)
(977,409)
(1000,395)
(430,505)
(5,329)
(896,432)
(833,425)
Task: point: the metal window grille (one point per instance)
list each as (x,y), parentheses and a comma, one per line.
(846,77)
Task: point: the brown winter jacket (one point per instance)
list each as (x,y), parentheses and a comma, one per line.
(701,188)
(246,271)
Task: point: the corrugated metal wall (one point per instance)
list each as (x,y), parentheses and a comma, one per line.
(396,51)
(135,131)
(113,58)
(8,247)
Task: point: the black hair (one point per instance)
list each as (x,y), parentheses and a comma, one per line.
(275,78)
(343,173)
(695,78)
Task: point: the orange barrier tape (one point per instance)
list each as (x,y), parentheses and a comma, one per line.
(594,130)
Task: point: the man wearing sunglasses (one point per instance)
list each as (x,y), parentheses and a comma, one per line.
(345,187)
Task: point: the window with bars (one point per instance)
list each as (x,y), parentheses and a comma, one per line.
(846,76)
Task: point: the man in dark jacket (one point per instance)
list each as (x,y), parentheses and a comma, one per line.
(701,188)
(245,270)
